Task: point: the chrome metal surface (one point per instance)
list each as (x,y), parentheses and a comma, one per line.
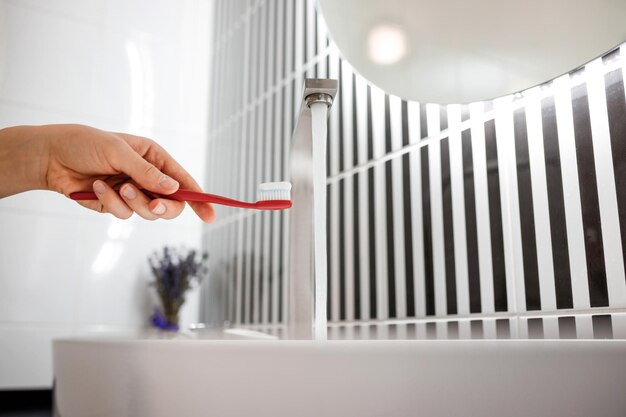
(301,301)
(319,98)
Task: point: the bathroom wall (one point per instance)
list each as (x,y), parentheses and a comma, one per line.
(504,218)
(138,67)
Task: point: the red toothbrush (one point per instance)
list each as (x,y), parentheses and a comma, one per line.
(270,196)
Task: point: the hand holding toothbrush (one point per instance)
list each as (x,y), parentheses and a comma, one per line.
(121,169)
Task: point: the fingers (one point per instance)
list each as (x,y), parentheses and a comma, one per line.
(127,160)
(166,209)
(150,209)
(110,201)
(204,211)
(130,199)
(171,167)
(94,205)
(154,153)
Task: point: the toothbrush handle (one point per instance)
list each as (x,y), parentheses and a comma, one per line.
(195,196)
(179,195)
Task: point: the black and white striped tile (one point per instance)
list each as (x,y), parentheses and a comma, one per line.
(599,326)
(553,326)
(511,206)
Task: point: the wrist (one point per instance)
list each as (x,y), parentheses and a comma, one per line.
(40,151)
(24,155)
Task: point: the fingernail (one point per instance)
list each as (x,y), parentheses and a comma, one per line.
(99,187)
(128,192)
(159,209)
(168,183)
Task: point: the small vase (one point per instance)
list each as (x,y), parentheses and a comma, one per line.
(171,317)
(167,321)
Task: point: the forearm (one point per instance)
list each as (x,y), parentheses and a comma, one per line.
(23,159)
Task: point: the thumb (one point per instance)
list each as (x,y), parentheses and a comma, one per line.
(141,171)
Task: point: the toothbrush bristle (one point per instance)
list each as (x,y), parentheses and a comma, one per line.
(270,191)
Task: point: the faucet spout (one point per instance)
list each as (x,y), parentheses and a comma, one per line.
(307,225)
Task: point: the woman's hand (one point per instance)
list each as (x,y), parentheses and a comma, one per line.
(70,158)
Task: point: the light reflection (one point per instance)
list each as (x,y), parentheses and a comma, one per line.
(108,257)
(119,230)
(111,251)
(386,44)
(141,86)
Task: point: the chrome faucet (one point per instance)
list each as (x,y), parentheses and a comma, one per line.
(307,286)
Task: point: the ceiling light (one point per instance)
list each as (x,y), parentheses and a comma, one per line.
(386,44)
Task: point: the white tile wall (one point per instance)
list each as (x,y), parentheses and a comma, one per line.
(38,275)
(27,356)
(39,49)
(139,67)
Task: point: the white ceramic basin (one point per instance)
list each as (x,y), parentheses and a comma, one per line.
(191,378)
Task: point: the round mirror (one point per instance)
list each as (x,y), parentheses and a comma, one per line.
(459,51)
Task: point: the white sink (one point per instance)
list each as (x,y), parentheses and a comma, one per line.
(188,378)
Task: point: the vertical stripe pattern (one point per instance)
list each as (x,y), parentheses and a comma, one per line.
(472,214)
